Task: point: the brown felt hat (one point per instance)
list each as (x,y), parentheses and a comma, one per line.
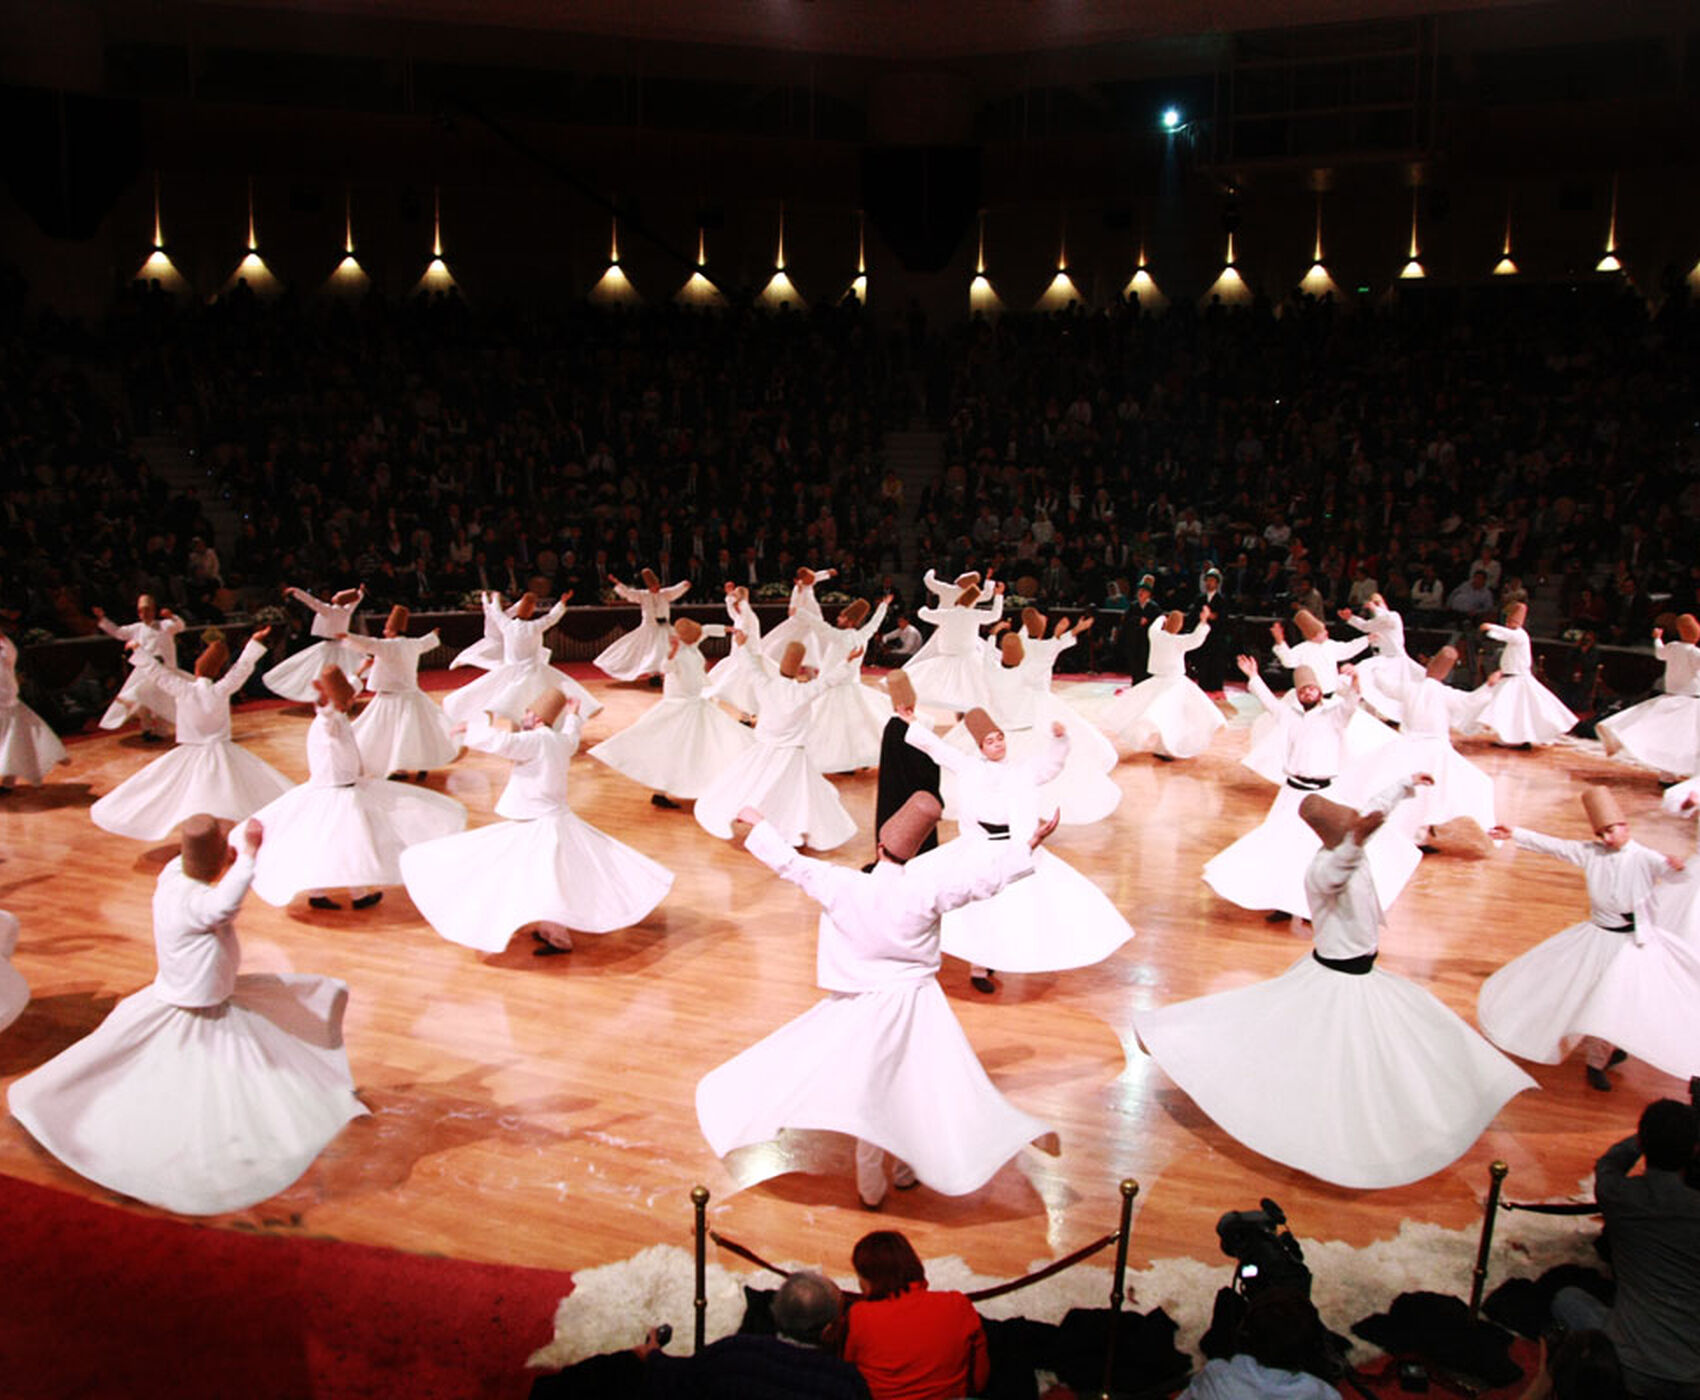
(741,593)
(1688,628)
(1310,624)
(649,579)
(396,624)
(1441,663)
(905,829)
(213,659)
(1303,676)
(203,847)
(526,606)
(687,631)
(333,687)
(547,705)
(791,661)
(1516,614)
(1600,803)
(1011,648)
(1033,622)
(344,596)
(963,580)
(1462,836)
(1174,620)
(980,724)
(1331,821)
(806,577)
(854,613)
(901,690)
(145,606)
(969,596)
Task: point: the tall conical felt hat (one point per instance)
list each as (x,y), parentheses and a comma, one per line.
(203,847)
(1462,836)
(344,596)
(1303,676)
(963,580)
(1331,821)
(212,660)
(649,579)
(901,690)
(854,613)
(1600,803)
(980,724)
(1441,663)
(969,596)
(1033,622)
(526,606)
(791,661)
(333,687)
(547,705)
(399,617)
(806,577)
(1011,648)
(1174,620)
(1516,615)
(1310,624)
(1688,628)
(688,632)
(905,829)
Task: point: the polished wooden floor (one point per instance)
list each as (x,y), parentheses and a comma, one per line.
(539,1110)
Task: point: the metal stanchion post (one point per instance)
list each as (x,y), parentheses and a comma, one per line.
(1478,1279)
(699,1199)
(1129,1189)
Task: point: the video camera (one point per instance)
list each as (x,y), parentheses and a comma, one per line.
(1268,1255)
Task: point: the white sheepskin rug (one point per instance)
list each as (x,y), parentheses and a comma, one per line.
(613,1307)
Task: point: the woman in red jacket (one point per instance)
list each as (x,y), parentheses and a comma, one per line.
(908,1342)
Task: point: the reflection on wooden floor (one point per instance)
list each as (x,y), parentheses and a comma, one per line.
(540,1110)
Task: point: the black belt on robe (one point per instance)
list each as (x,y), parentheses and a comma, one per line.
(1308,784)
(1627,926)
(1352,967)
(997,831)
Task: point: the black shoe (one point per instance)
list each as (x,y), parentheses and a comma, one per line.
(660,799)
(152,738)
(319,901)
(546,949)
(366,901)
(655,682)
(1597,1080)
(1277,916)
(1617,1058)
(419,777)
(983,984)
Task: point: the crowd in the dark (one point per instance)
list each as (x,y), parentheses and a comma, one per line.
(1452,452)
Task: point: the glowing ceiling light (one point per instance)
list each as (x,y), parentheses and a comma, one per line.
(614,286)
(1610,263)
(252,270)
(159,268)
(437,276)
(1413,267)
(1062,291)
(347,278)
(780,291)
(1505,267)
(859,283)
(1317,282)
(698,290)
(1171,119)
(1229,288)
(981,295)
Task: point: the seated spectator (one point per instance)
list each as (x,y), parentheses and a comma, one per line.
(1583,1366)
(1653,1227)
(908,1342)
(1472,602)
(1279,1342)
(900,643)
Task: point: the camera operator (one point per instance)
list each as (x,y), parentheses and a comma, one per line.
(1278,1343)
(1653,1224)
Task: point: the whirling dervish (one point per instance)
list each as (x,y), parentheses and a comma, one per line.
(295,677)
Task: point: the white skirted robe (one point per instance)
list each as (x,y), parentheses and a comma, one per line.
(1676,899)
(734,679)
(881,1057)
(947,594)
(293,677)
(14,991)
(953,676)
(1384,677)
(486,652)
(684,741)
(339,829)
(777,776)
(1365,734)
(543,864)
(401,730)
(1517,708)
(1057,919)
(641,651)
(1424,745)
(206,772)
(206,1091)
(28,745)
(525,670)
(803,623)
(1617,975)
(138,698)
(1663,733)
(850,718)
(1336,1068)
(1167,713)
(1086,743)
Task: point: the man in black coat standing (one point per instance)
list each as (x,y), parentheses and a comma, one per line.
(1209,662)
(1134,639)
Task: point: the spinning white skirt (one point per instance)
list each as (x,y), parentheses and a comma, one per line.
(1588,981)
(509,688)
(326,838)
(799,627)
(637,654)
(14,991)
(787,789)
(735,679)
(846,726)
(678,746)
(1169,715)
(891,1067)
(1382,680)
(485,653)
(1267,756)
(28,747)
(1081,794)
(293,679)
(1519,710)
(1086,743)
(199,1111)
(1460,788)
(1053,920)
(1662,734)
(1675,906)
(1265,868)
(136,694)
(950,682)
(479,887)
(1365,1081)
(404,732)
(220,778)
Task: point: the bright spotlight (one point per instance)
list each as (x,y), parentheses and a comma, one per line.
(1171,119)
